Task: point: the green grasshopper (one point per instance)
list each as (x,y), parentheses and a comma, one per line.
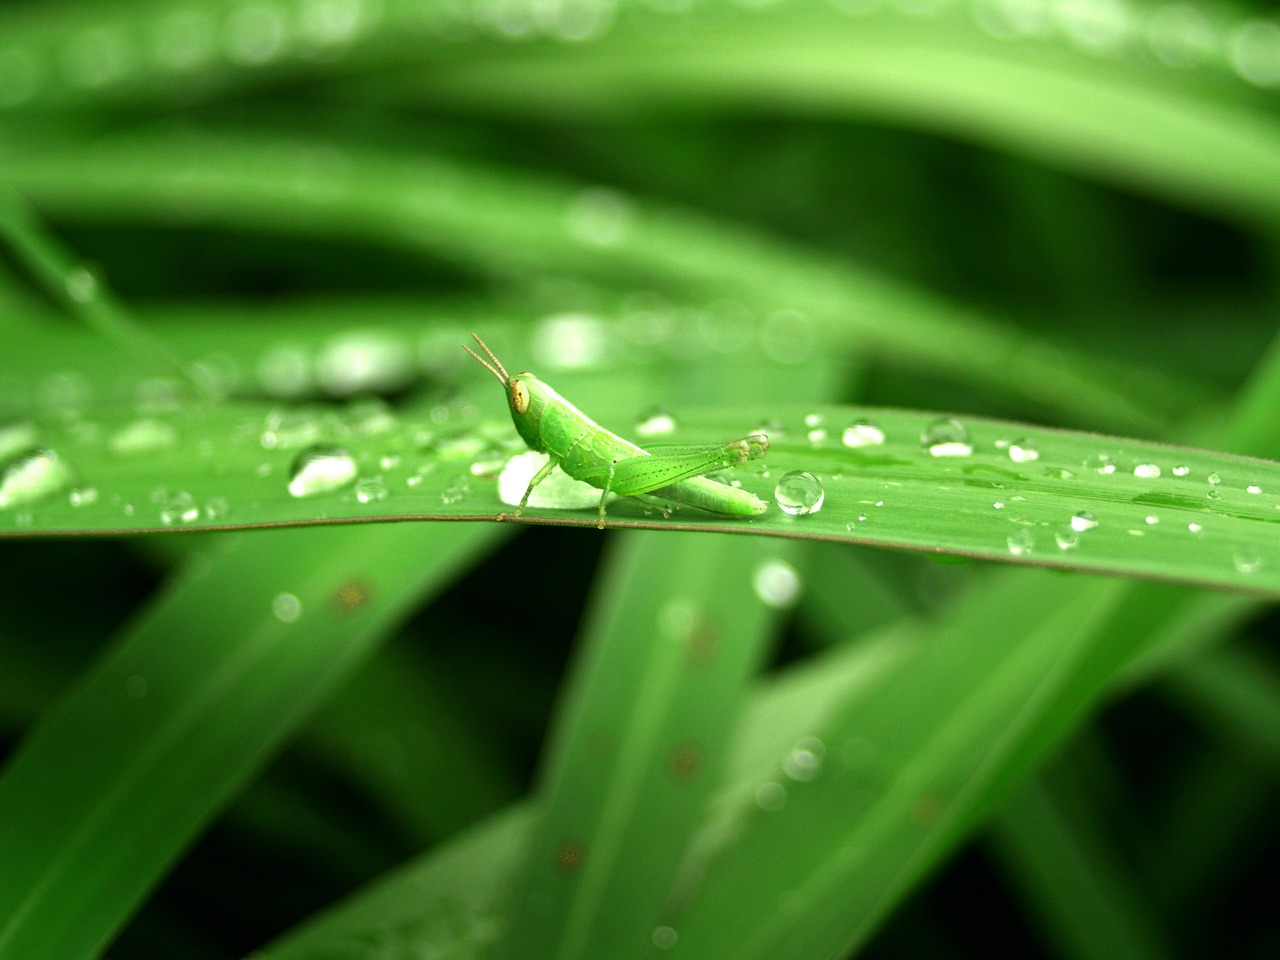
(588,452)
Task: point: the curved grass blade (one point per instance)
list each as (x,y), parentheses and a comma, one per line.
(112,784)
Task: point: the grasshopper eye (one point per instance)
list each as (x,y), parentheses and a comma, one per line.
(519,397)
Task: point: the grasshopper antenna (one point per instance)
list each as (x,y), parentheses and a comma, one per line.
(496,368)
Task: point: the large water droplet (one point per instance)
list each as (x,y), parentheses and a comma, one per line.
(559,491)
(946,437)
(862,433)
(1023,450)
(1082,521)
(1247,558)
(32,476)
(321,470)
(776,584)
(1021,542)
(799,493)
(1146,471)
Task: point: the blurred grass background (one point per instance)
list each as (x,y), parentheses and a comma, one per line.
(1063,211)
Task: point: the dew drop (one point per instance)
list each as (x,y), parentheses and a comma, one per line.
(1214,479)
(862,433)
(83,496)
(1194,527)
(559,491)
(1104,465)
(1253,488)
(216,508)
(776,583)
(287,428)
(1151,520)
(1146,471)
(1021,542)
(664,938)
(1082,521)
(177,507)
(570,341)
(15,437)
(655,424)
(321,470)
(1067,539)
(799,493)
(1023,450)
(946,437)
(32,476)
(370,489)
(1181,470)
(82,285)
(997,505)
(1247,559)
(804,762)
(286,607)
(771,796)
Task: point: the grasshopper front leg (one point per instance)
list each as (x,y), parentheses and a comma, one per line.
(543,472)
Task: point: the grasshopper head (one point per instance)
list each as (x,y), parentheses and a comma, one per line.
(525,394)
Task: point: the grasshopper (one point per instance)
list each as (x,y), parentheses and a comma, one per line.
(588,452)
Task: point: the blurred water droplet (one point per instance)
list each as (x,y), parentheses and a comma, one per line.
(570,341)
(776,584)
(1181,470)
(370,489)
(664,938)
(321,470)
(143,436)
(456,492)
(332,22)
(1067,539)
(862,433)
(1194,527)
(216,507)
(656,423)
(32,476)
(287,428)
(771,796)
(83,496)
(365,361)
(177,507)
(1021,542)
(1214,479)
(389,461)
(1151,520)
(82,285)
(1082,521)
(997,505)
(946,437)
(16,436)
(1023,450)
(1146,471)
(1247,559)
(286,607)
(1253,488)
(799,493)
(598,217)
(489,463)
(1254,52)
(96,57)
(804,762)
(1213,495)
(558,491)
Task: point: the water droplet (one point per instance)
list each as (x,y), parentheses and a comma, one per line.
(32,476)
(776,584)
(559,491)
(1181,470)
(997,505)
(799,493)
(1253,488)
(370,489)
(1151,519)
(1021,542)
(216,507)
(456,492)
(664,938)
(1147,471)
(771,796)
(598,217)
(946,437)
(15,437)
(177,507)
(804,762)
(143,436)
(365,361)
(286,607)
(1194,527)
(655,424)
(1104,465)
(287,428)
(1247,559)
(489,463)
(1067,539)
(1213,495)
(1023,450)
(83,497)
(570,341)
(862,433)
(321,470)
(1214,479)
(82,285)
(1254,52)
(1082,521)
